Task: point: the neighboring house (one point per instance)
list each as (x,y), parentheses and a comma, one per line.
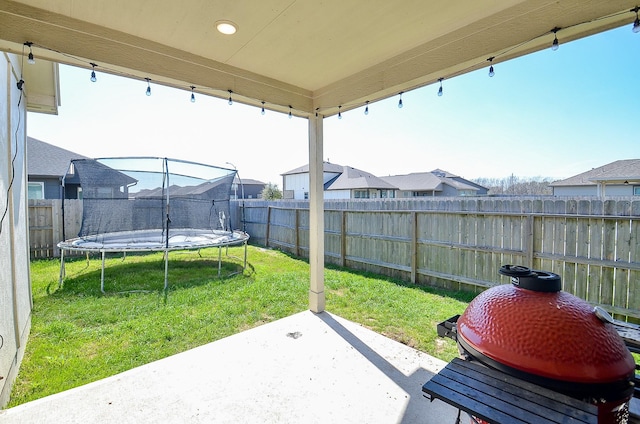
(46,166)
(354,183)
(252,189)
(619,178)
(295,183)
(434,183)
(340,182)
(345,182)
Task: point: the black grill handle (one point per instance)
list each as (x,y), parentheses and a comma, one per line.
(530,279)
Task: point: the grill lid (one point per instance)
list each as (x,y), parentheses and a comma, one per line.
(534,327)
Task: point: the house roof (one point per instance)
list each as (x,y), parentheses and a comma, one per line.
(615,172)
(346,178)
(350,178)
(177,190)
(47,160)
(247,181)
(302,56)
(428,181)
(356,179)
(326,167)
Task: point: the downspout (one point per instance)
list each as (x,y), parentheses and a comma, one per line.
(316,215)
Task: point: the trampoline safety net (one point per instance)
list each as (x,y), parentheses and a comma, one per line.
(134,194)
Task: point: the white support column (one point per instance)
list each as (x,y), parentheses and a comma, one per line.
(316,216)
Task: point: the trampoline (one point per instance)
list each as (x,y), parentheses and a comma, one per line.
(149,205)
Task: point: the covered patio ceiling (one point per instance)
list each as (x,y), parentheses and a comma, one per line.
(301,56)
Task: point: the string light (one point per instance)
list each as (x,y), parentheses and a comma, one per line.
(30,58)
(555,45)
(193,96)
(93,72)
(636,23)
(339,113)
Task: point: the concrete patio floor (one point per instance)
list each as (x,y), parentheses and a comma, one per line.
(306,368)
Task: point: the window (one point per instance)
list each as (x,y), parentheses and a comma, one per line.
(361,194)
(422,193)
(306,195)
(36,190)
(384,194)
(636,190)
(104,192)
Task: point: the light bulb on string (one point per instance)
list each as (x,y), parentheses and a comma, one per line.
(339,113)
(262,112)
(93,72)
(290,111)
(555,45)
(230,99)
(491,71)
(636,23)
(366,109)
(440,91)
(193,96)
(30,57)
(400,101)
(148,86)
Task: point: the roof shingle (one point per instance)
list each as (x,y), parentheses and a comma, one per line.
(47,160)
(620,170)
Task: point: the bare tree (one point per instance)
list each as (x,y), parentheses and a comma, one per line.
(517,186)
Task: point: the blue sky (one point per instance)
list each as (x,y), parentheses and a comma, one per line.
(549,114)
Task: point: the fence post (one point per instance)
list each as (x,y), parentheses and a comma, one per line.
(414,247)
(529,240)
(343,239)
(266,240)
(297,224)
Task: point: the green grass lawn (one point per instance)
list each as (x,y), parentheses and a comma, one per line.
(80,335)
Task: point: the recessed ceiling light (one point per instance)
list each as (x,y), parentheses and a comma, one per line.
(226,27)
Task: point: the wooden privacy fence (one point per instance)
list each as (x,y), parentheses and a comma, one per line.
(592,244)
(45,225)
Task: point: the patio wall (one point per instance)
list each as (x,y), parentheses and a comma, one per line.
(461,243)
(15,285)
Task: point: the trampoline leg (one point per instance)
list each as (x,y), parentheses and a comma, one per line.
(102,274)
(245,256)
(166,270)
(62,270)
(219,261)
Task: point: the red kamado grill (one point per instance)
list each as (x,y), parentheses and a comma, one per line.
(532,330)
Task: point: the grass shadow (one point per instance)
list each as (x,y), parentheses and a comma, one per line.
(460,295)
(145,273)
